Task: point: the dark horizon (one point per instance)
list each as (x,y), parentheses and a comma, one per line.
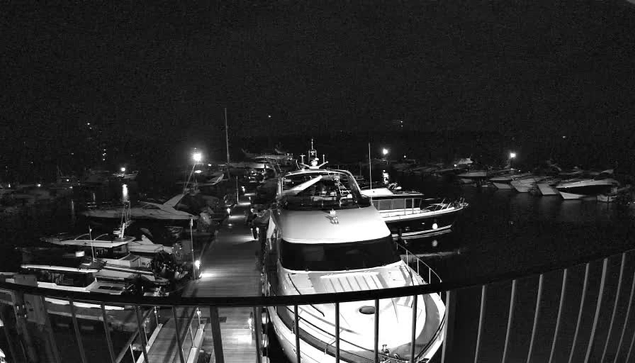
(160,75)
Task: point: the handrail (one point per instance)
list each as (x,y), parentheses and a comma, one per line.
(250,301)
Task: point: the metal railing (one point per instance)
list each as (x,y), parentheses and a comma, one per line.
(578,311)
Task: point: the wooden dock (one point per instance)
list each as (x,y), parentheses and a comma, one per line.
(229,267)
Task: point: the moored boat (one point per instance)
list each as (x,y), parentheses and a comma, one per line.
(324,236)
(409,215)
(587,187)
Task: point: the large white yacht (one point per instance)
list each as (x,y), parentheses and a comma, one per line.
(324,236)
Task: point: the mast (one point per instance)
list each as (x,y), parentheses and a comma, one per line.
(370,169)
(227,137)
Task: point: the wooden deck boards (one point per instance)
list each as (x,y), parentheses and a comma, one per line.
(229,267)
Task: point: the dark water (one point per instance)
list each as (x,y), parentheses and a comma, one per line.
(500,232)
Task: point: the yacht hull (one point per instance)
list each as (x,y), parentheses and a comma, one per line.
(547,189)
(422,225)
(579,190)
(503,185)
(314,349)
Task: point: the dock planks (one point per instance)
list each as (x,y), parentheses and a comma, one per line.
(229,267)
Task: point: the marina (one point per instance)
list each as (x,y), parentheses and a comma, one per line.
(276,182)
(228,261)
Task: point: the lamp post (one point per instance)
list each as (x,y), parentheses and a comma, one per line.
(197,156)
(512,156)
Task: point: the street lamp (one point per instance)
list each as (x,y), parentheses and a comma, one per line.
(197,156)
(512,155)
(384,151)
(123,169)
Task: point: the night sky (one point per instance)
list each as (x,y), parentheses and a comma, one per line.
(166,70)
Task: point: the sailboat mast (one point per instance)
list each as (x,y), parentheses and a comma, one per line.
(226,137)
(370,169)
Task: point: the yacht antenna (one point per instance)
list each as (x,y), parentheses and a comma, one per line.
(90,236)
(370,171)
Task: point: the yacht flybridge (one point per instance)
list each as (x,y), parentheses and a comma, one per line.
(324,236)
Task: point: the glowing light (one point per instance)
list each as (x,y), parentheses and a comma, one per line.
(207,274)
(512,155)
(435,226)
(197,157)
(197,264)
(123,169)
(124,193)
(198,171)
(384,151)
(39,185)
(229,211)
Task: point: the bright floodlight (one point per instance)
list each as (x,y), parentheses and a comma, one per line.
(384,151)
(123,169)
(197,157)
(512,155)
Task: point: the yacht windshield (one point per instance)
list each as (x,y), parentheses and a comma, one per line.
(333,190)
(338,256)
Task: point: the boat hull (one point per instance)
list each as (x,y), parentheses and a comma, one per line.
(547,189)
(581,190)
(313,349)
(422,225)
(503,185)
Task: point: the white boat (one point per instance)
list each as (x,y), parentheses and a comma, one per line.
(126,176)
(547,186)
(526,183)
(68,276)
(503,179)
(472,176)
(172,210)
(143,248)
(586,187)
(333,240)
(409,215)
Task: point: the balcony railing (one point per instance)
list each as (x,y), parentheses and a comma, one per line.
(575,312)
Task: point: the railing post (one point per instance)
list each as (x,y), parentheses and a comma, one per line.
(376,343)
(111,351)
(598,306)
(481,317)
(337,332)
(297,333)
(448,335)
(563,289)
(617,298)
(78,336)
(257,329)
(216,334)
(413,337)
(577,325)
(628,314)
(178,334)
(144,343)
(510,318)
(49,328)
(536,315)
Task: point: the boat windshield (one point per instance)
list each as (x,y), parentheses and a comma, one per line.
(338,256)
(332,190)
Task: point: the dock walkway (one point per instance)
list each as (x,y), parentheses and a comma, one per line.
(229,267)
